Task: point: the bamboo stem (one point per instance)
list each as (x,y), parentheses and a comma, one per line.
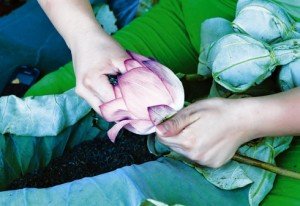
(266,166)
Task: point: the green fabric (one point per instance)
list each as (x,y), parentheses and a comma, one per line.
(170,32)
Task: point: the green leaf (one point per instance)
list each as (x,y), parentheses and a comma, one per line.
(169,181)
(266,151)
(35,130)
(230,176)
(41,116)
(236,175)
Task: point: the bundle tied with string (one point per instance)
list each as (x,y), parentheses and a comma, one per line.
(238,61)
(274,23)
(245,52)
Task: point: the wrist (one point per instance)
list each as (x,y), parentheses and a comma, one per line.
(262,115)
(245,118)
(88,35)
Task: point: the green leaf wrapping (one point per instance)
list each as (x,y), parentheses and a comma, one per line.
(289,76)
(211,31)
(274,23)
(238,61)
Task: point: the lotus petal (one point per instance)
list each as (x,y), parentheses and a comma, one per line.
(171,82)
(159,113)
(117,91)
(138,57)
(113,132)
(132,64)
(144,97)
(140,89)
(115,110)
(141,127)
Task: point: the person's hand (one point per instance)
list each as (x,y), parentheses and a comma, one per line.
(94,58)
(208,132)
(95,54)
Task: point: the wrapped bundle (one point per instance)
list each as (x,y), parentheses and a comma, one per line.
(248,57)
(265,21)
(211,31)
(238,61)
(289,76)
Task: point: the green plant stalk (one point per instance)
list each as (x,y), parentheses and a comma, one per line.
(249,161)
(194,77)
(266,166)
(191,77)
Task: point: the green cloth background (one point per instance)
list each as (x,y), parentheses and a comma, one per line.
(170,32)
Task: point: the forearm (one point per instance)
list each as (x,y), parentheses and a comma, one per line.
(74,20)
(274,115)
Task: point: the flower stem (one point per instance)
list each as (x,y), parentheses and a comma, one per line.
(266,166)
(245,160)
(191,77)
(194,77)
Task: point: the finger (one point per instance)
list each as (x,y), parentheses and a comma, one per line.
(91,98)
(117,65)
(98,84)
(178,122)
(120,66)
(171,144)
(179,150)
(182,140)
(176,148)
(102,88)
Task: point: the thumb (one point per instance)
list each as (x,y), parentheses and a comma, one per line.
(173,126)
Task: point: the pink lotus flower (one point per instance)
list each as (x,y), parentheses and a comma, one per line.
(146,94)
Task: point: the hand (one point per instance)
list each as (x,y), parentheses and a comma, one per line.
(93,59)
(95,54)
(208,132)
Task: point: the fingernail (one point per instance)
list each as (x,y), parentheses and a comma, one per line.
(162,129)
